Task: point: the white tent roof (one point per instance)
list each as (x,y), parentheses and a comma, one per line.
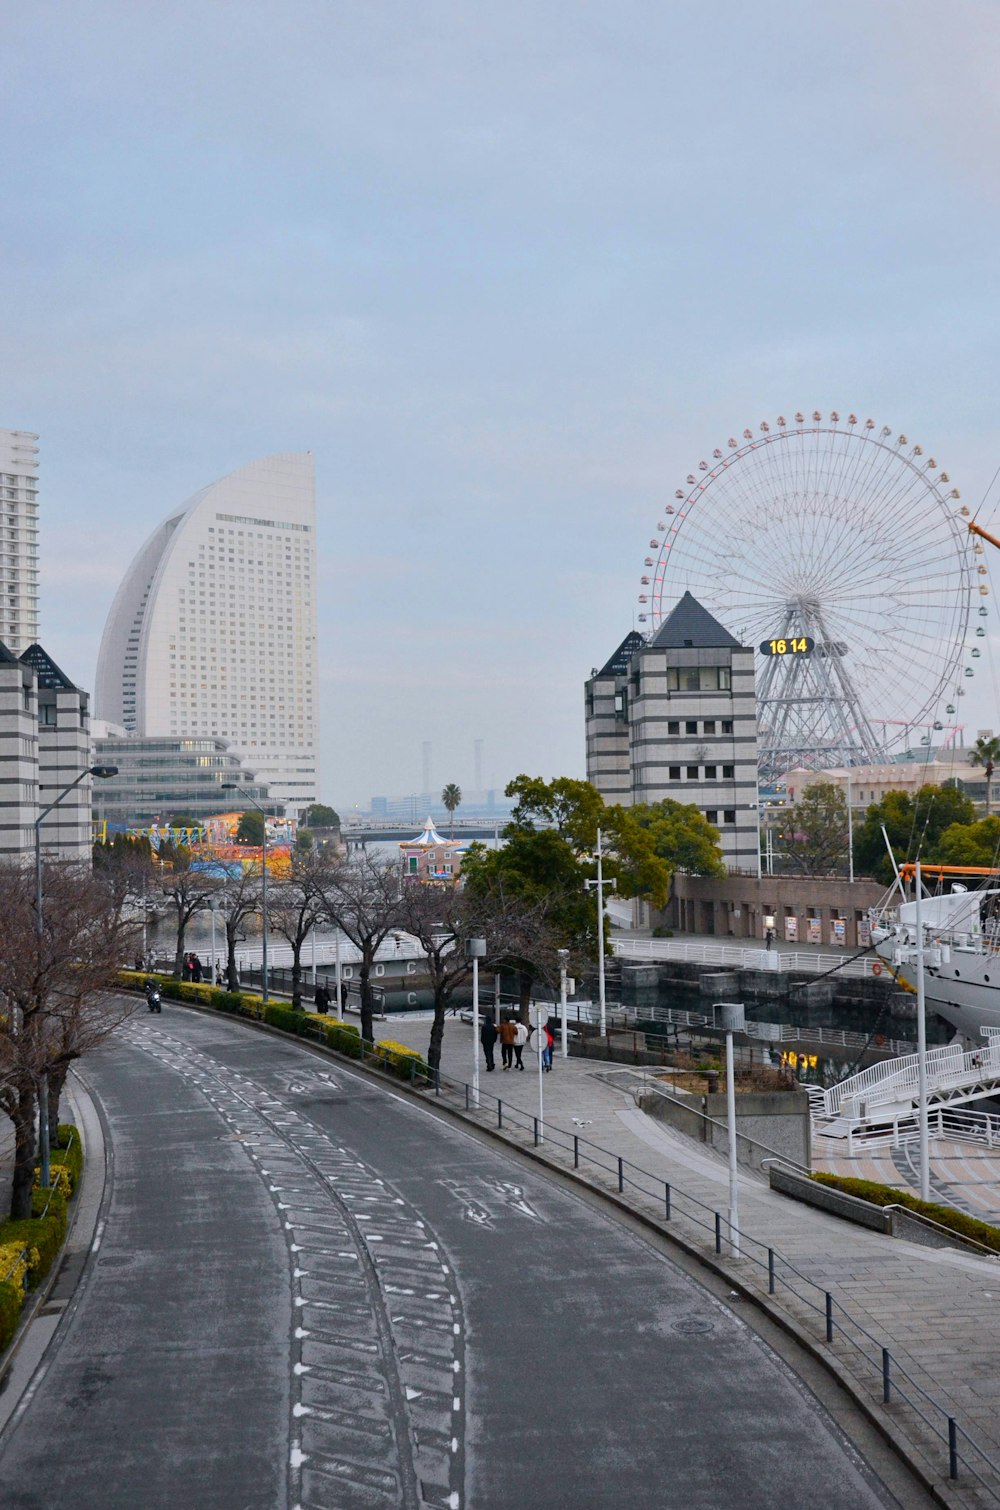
(429,837)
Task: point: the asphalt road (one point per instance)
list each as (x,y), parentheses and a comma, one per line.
(309,1292)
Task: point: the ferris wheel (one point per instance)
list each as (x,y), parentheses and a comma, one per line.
(839,551)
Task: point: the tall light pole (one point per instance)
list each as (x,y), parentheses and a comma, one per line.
(732,1017)
(102,771)
(925,1169)
(563,957)
(231,786)
(475,949)
(599,883)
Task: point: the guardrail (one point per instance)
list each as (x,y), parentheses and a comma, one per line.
(747,958)
(956,1123)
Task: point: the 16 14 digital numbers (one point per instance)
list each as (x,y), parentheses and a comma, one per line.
(793,645)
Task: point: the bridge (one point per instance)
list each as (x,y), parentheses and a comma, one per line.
(386,833)
(889,1092)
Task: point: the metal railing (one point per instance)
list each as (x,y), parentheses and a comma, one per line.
(956,1123)
(948,1068)
(746,958)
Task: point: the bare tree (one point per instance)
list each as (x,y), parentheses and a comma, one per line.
(441,919)
(188,889)
(296,905)
(363,900)
(53,994)
(238,899)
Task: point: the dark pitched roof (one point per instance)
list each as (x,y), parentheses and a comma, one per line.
(617,664)
(688,625)
(7,657)
(48,673)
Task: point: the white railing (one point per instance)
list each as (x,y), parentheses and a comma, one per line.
(735,957)
(955,1123)
(948,1068)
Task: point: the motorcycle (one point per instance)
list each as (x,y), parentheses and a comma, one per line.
(153,999)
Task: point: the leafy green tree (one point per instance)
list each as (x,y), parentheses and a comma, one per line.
(914,826)
(250,829)
(815,831)
(450,798)
(986,752)
(682,836)
(303,840)
(318,815)
(971,844)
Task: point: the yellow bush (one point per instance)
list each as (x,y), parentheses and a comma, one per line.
(15,1261)
(59,1176)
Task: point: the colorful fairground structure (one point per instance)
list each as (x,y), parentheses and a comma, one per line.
(214,848)
(429,857)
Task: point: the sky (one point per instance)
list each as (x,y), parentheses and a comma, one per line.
(508,272)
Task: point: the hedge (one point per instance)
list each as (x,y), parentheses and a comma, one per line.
(11,1301)
(29,1248)
(945,1216)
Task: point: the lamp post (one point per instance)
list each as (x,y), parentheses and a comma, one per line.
(563,957)
(231,786)
(925,1169)
(475,949)
(733,1020)
(102,771)
(599,883)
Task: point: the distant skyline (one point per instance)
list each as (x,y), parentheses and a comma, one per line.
(508,274)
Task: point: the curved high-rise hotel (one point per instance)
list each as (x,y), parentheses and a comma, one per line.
(213,630)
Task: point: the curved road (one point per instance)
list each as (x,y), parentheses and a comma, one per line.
(309,1292)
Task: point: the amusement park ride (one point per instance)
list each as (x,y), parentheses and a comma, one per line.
(845,556)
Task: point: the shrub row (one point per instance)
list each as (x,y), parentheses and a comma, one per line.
(342,1036)
(29,1248)
(946,1216)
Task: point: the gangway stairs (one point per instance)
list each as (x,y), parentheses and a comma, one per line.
(886,1092)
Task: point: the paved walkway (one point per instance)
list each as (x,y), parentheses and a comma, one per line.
(936,1310)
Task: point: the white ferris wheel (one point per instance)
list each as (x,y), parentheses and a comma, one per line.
(840,551)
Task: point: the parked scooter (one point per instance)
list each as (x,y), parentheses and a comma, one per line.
(153,996)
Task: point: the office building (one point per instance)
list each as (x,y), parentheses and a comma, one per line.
(161,777)
(676,716)
(19,534)
(44,747)
(212,634)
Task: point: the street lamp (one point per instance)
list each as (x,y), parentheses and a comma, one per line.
(563,958)
(103,771)
(230,786)
(475,949)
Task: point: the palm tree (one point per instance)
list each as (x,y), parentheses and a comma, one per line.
(986,752)
(451,797)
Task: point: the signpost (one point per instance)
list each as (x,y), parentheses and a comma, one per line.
(538,1016)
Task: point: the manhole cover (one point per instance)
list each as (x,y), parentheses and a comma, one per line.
(114,1263)
(691,1325)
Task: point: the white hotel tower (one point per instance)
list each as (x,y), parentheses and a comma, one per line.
(19,535)
(213,630)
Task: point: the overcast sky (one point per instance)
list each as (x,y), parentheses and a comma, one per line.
(509,272)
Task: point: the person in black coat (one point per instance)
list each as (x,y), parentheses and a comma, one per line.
(488,1038)
(322,998)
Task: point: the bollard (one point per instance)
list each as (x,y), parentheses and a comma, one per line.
(576,1150)
(952,1448)
(499,1114)
(467,1097)
(666,1202)
(718,1233)
(535,1120)
(437,1082)
(621,1176)
(829,1317)
(886,1382)
(770,1271)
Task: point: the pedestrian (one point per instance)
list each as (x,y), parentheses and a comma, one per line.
(769,938)
(186,968)
(488,1037)
(520,1039)
(508,1033)
(219,977)
(322,998)
(196,969)
(343,997)
(549,1043)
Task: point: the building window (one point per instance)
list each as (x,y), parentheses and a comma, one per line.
(728,772)
(729,815)
(675,773)
(692,773)
(697,678)
(673,726)
(712,816)
(710,771)
(691,726)
(727,726)
(709,726)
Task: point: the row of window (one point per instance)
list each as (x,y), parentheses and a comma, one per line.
(708,726)
(693,773)
(698,678)
(728,816)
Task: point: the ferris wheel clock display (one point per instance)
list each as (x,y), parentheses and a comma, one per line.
(839,550)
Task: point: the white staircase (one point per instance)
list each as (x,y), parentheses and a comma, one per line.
(886,1092)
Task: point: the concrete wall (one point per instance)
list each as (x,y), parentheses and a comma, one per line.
(767,1122)
(734,907)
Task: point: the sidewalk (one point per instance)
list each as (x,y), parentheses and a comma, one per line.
(937,1311)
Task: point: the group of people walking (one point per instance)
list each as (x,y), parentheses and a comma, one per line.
(513,1035)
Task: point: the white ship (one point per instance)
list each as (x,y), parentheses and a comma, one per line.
(961,949)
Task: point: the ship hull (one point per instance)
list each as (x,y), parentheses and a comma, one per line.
(965,990)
